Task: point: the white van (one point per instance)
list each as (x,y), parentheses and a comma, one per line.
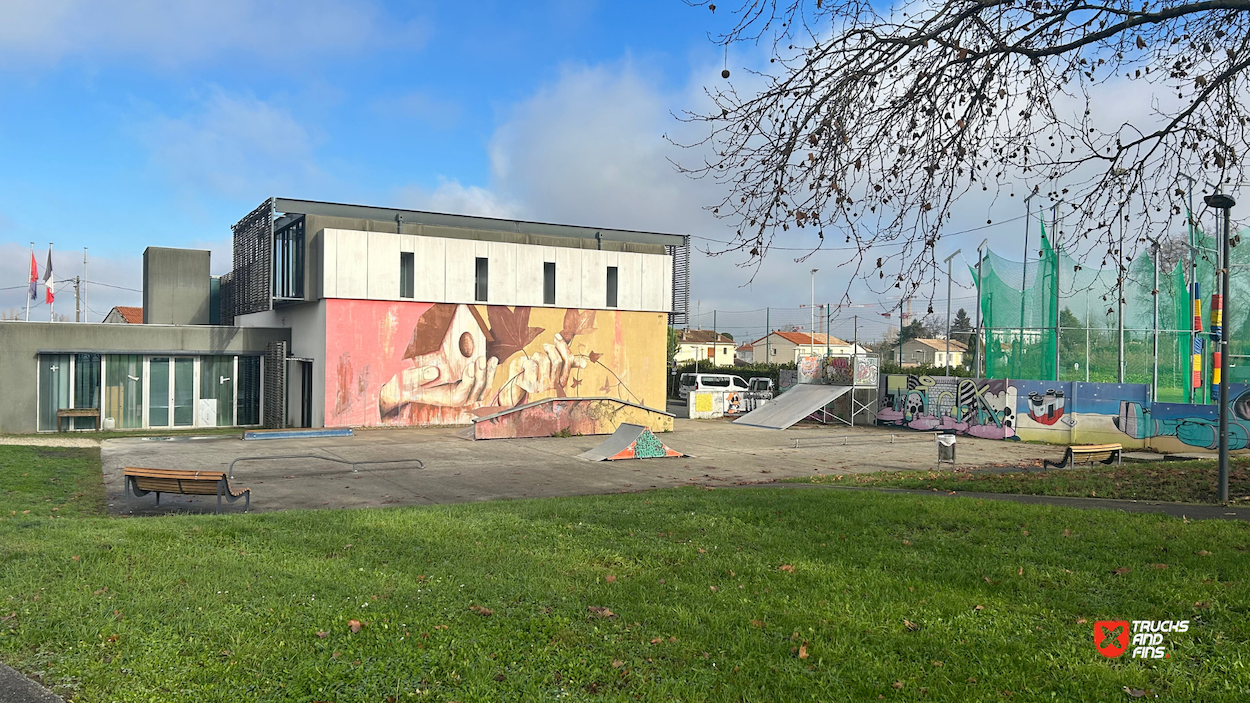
(709,382)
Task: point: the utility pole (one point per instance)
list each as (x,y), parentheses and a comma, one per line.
(976,351)
(768,333)
(1121,215)
(1219,201)
(811,331)
(1054,238)
(86,310)
(948,310)
(77,300)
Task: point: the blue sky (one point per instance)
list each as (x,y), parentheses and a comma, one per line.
(128,123)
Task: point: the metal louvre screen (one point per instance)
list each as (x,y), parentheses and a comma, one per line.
(1056,318)
(253,262)
(275,385)
(681,283)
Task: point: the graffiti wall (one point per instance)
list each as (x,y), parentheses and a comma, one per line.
(1060,413)
(401,363)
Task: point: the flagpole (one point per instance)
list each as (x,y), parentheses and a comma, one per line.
(36,276)
(49,283)
(85,311)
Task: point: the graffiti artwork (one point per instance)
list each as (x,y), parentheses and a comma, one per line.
(867,371)
(838,370)
(809,369)
(1046,408)
(979,408)
(430,364)
(1190,425)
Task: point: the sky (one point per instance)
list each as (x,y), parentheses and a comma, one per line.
(129,123)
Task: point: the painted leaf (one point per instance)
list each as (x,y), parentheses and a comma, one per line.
(577,322)
(510,331)
(594,357)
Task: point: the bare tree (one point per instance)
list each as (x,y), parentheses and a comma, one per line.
(871,123)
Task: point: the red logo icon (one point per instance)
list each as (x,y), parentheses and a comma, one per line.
(1111,637)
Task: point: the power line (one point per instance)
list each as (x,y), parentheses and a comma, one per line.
(887,244)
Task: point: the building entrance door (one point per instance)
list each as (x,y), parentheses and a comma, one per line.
(171,391)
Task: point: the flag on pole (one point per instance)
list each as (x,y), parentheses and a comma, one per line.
(48,281)
(34,277)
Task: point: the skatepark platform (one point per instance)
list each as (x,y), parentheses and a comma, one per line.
(793,405)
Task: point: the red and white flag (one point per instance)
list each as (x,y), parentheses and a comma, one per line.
(34,278)
(48,282)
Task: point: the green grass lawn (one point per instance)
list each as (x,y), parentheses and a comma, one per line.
(753,594)
(1179,481)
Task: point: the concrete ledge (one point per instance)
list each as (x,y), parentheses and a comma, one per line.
(298,433)
(16,688)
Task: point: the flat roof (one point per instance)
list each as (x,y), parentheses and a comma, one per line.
(288,206)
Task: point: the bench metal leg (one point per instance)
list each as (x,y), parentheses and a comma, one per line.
(126,492)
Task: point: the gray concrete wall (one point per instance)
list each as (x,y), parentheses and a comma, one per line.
(21,343)
(306,324)
(175,286)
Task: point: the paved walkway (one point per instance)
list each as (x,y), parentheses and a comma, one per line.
(1188,511)
(459,470)
(15,688)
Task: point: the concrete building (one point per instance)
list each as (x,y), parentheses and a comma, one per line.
(347,315)
(788,347)
(931,352)
(704,345)
(125,315)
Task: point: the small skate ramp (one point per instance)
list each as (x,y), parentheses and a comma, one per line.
(629,442)
(793,405)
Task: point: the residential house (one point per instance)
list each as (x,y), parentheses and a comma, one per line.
(704,345)
(788,347)
(745,353)
(932,352)
(125,314)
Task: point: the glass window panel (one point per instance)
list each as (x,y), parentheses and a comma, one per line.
(481,286)
(611,286)
(549,283)
(123,390)
(86,387)
(407,273)
(53,388)
(184,392)
(158,392)
(248,400)
(217,385)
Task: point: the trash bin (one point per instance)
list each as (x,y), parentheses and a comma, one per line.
(946,447)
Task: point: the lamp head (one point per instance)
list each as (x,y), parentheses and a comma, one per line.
(1219,201)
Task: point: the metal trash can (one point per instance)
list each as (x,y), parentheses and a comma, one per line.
(946,447)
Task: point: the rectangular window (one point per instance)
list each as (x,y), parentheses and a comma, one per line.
(54,382)
(407,273)
(549,283)
(158,392)
(123,390)
(288,262)
(611,286)
(480,287)
(247,400)
(86,388)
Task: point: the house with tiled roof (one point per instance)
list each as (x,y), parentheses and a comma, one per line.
(787,347)
(125,314)
(931,352)
(705,345)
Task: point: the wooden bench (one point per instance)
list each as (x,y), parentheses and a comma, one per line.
(1104,453)
(77,412)
(204,483)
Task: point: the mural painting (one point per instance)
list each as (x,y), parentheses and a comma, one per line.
(809,369)
(838,370)
(1180,426)
(979,408)
(401,363)
(867,371)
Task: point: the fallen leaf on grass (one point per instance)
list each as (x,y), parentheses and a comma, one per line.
(601,612)
(786,568)
(657,640)
(610,578)
(322,635)
(111,638)
(803,651)
(617,663)
(354,626)
(1160,566)
(979,607)
(1134,692)
(911,626)
(1081,621)
(1203,553)
(702,550)
(937,663)
(6,618)
(1020,572)
(971,680)
(99,592)
(757,623)
(713,588)
(1202,604)
(1067,533)
(898,685)
(441,627)
(480,610)
(906,543)
(1122,570)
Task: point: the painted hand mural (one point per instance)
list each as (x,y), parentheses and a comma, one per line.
(1193,425)
(466,361)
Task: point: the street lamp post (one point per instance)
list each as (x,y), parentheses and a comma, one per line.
(811,331)
(1220,201)
(948,310)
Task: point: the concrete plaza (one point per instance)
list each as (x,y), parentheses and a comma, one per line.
(454,470)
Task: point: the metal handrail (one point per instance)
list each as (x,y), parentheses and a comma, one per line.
(353,464)
(866,440)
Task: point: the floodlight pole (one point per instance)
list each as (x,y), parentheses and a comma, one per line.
(1219,201)
(976,352)
(1119,289)
(1024,275)
(948,310)
(811,331)
(1154,381)
(1054,237)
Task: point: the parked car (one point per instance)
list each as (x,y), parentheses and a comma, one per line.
(761,384)
(709,382)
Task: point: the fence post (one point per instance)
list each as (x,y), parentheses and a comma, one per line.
(767,333)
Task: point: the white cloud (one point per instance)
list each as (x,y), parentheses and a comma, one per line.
(452,196)
(233,145)
(170,33)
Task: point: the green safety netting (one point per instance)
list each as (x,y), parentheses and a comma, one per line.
(1055,301)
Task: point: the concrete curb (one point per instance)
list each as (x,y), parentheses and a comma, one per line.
(16,688)
(1191,511)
